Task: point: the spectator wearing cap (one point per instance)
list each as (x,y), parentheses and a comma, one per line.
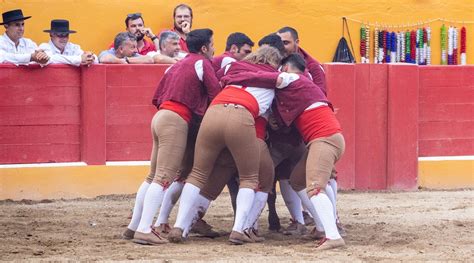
(170,51)
(14,48)
(124,51)
(60,50)
(135,25)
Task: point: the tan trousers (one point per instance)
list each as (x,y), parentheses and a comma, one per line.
(225,168)
(170,133)
(317,166)
(231,126)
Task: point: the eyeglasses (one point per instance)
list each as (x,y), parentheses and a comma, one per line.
(134,15)
(62,35)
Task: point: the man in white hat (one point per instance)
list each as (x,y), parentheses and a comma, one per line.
(61,50)
(14,48)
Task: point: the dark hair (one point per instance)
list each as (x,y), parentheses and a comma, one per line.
(295,60)
(132,17)
(198,38)
(122,37)
(273,40)
(238,39)
(181,6)
(293,32)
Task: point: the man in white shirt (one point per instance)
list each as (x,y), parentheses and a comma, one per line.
(61,50)
(170,51)
(14,48)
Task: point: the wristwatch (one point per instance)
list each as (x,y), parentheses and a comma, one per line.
(126,60)
(153,38)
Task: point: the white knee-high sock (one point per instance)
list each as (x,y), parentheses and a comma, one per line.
(332,197)
(333,184)
(292,201)
(259,203)
(138,207)
(187,206)
(153,199)
(244,204)
(312,210)
(324,209)
(202,204)
(171,197)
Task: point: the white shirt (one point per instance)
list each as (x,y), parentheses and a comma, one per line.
(180,55)
(71,54)
(264,97)
(20,54)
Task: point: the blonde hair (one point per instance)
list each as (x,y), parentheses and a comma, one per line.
(265,55)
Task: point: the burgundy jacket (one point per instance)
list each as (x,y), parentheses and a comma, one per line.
(248,74)
(217,61)
(192,81)
(315,69)
(299,95)
(290,101)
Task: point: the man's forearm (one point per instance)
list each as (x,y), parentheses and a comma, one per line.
(109,59)
(141,60)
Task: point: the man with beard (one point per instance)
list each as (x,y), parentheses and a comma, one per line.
(183,22)
(135,24)
(290,39)
(170,51)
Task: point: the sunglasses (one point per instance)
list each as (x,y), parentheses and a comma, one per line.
(134,15)
(62,35)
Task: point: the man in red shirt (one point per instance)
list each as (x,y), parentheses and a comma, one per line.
(135,24)
(183,22)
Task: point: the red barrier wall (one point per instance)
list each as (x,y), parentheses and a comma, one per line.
(40,114)
(390,114)
(446,111)
(129,93)
(377,106)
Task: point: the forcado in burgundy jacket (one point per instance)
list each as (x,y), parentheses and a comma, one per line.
(192,82)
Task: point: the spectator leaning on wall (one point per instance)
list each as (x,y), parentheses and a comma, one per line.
(14,48)
(170,51)
(60,50)
(124,51)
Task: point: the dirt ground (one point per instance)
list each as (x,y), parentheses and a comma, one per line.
(402,226)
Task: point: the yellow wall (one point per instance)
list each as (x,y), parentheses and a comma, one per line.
(93,180)
(446,174)
(318,22)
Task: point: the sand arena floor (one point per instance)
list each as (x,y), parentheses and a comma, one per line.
(402,226)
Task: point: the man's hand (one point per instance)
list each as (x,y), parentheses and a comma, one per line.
(186,27)
(147,32)
(87,58)
(39,56)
